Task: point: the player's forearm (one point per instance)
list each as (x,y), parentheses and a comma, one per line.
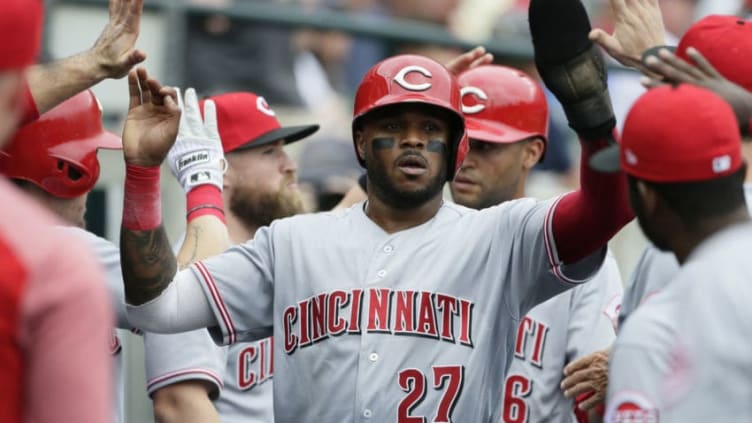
(52,83)
(147,260)
(206,234)
(148,264)
(184,402)
(586,219)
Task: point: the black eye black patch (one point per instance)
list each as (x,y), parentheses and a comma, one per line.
(383,143)
(436,147)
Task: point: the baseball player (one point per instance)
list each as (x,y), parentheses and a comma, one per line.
(507,122)
(686,203)
(53,324)
(657,269)
(639,28)
(334,323)
(370,306)
(258,187)
(54,161)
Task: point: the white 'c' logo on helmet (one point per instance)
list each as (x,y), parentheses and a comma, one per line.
(263,106)
(478,93)
(400,78)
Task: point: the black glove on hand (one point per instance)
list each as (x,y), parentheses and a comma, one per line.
(571,65)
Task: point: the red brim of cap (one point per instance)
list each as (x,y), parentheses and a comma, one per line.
(109,141)
(289,134)
(496,132)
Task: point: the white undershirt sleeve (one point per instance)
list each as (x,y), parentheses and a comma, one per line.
(181,307)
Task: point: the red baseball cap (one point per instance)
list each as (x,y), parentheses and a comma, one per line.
(245,120)
(21,32)
(726,42)
(676,134)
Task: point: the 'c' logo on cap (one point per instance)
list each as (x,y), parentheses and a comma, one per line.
(400,78)
(263,106)
(479,94)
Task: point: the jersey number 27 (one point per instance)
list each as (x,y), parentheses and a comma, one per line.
(447,379)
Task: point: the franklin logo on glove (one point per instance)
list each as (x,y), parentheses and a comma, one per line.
(192,158)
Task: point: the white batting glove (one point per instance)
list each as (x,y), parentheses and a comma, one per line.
(197,157)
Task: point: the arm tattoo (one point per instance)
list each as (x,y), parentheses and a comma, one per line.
(148,264)
(191,237)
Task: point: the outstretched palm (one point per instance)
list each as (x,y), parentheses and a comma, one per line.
(638,26)
(152,122)
(115,48)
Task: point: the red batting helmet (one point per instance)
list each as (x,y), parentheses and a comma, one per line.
(412,79)
(503,105)
(58,152)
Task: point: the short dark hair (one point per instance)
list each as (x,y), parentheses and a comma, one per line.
(695,201)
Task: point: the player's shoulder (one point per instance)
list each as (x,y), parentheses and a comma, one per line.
(95,241)
(651,323)
(26,227)
(32,235)
(504,209)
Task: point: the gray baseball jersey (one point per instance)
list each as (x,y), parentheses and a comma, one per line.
(653,272)
(241,373)
(710,376)
(640,358)
(108,256)
(554,333)
(371,326)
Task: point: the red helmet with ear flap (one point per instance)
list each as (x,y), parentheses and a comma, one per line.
(503,105)
(58,151)
(412,79)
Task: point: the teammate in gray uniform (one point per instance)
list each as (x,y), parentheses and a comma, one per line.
(259,187)
(681,200)
(54,160)
(711,374)
(641,23)
(370,306)
(650,332)
(507,122)
(655,268)
(710,36)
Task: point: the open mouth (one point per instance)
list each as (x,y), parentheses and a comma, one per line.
(412,164)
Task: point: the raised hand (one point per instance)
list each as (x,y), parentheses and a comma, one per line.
(672,69)
(638,26)
(197,157)
(115,50)
(152,122)
(469,60)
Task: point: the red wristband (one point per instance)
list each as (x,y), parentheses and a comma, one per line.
(204,200)
(142,205)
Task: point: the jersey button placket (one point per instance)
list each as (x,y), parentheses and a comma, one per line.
(367,413)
